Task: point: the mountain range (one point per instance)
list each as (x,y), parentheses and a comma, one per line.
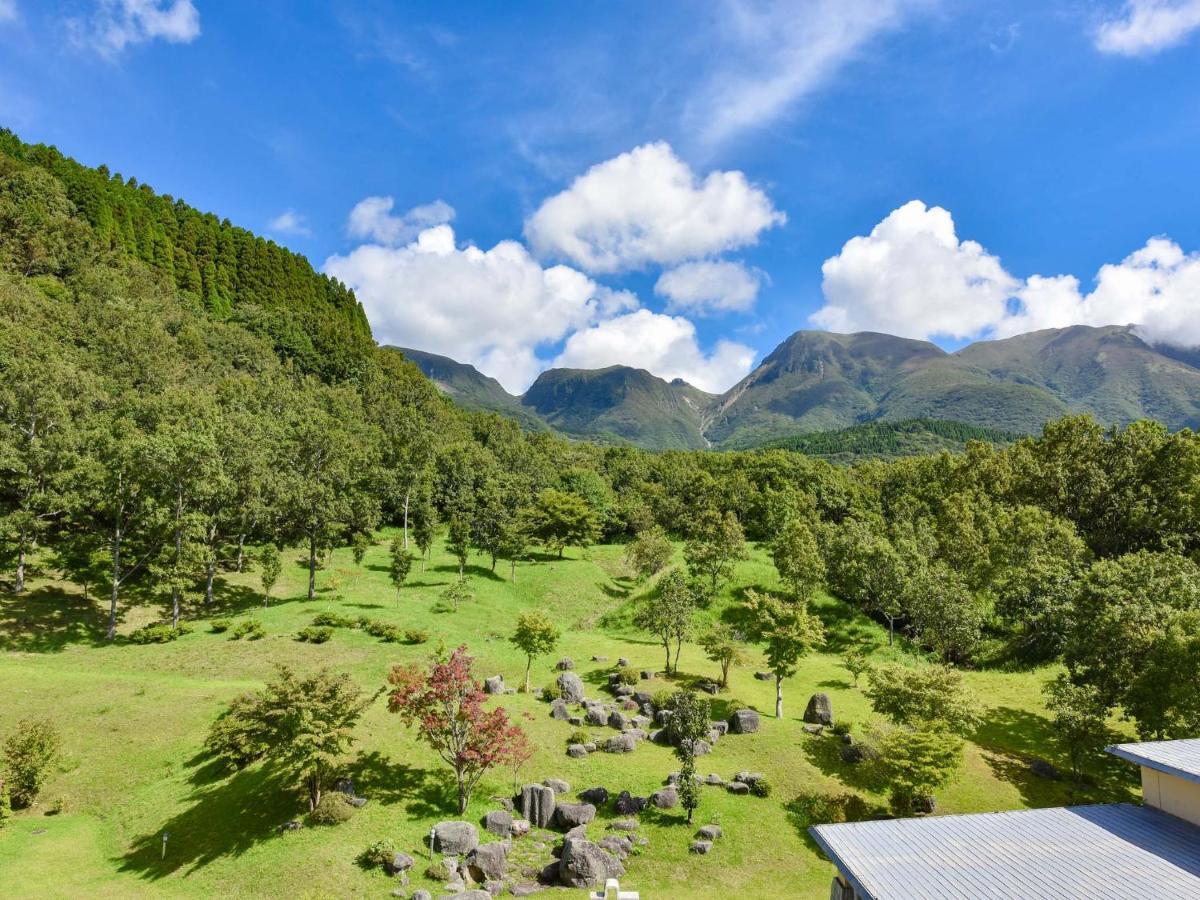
(817,381)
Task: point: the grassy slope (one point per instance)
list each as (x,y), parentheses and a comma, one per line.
(134,718)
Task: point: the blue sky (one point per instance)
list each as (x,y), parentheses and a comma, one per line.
(677,186)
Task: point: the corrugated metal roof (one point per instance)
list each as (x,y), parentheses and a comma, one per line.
(1181,758)
(1114,851)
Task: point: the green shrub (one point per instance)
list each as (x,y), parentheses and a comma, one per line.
(627,676)
(385,631)
(217,626)
(662,699)
(158,633)
(380,853)
(333,620)
(821,809)
(29,753)
(314,635)
(761,788)
(551,692)
(250,629)
(363,622)
(578,736)
(840,728)
(333,809)
(416,636)
(5,805)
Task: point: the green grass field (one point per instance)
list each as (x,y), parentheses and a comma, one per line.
(134,720)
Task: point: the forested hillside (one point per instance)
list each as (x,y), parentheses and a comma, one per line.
(888,440)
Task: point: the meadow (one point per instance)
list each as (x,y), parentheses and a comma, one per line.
(134,718)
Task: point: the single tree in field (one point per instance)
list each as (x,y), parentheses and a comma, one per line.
(305,723)
(535,635)
(457,593)
(650,552)
(856,661)
(458,542)
(724,646)
(562,519)
(514,543)
(401,565)
(798,559)
(29,752)
(790,632)
(423,519)
(360,543)
(1079,719)
(669,615)
(269,566)
(916,762)
(687,724)
(717,543)
(446,704)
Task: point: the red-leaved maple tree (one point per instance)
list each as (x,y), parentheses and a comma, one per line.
(446,704)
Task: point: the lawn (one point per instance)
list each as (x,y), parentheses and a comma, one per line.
(134,719)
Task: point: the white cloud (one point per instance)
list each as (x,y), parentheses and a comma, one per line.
(372,219)
(8,10)
(493,308)
(774,53)
(708,286)
(118,24)
(1147,26)
(646,206)
(913,277)
(663,345)
(290,222)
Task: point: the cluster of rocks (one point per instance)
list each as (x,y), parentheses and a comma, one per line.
(705,837)
(741,783)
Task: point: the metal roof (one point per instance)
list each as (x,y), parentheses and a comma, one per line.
(1114,851)
(1180,758)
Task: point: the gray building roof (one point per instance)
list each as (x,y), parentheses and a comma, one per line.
(1179,758)
(1114,851)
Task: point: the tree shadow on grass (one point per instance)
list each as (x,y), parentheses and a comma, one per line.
(825,753)
(423,793)
(226,818)
(46,620)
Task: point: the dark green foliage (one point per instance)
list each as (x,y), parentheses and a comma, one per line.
(219,626)
(761,788)
(916,762)
(250,629)
(918,696)
(314,635)
(888,440)
(385,631)
(380,853)
(333,808)
(626,676)
(578,736)
(688,723)
(158,633)
(820,808)
(415,636)
(333,620)
(29,752)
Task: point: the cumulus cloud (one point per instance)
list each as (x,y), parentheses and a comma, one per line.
(648,207)
(1145,27)
(912,276)
(290,222)
(118,24)
(372,218)
(707,286)
(774,53)
(661,344)
(493,308)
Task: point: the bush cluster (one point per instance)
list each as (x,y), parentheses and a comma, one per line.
(314,635)
(158,633)
(219,626)
(380,853)
(333,809)
(250,629)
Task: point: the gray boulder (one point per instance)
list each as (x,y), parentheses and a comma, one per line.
(596,715)
(618,845)
(565,664)
(455,838)
(571,687)
(558,710)
(666,798)
(572,815)
(576,751)
(494,685)
(421,895)
(488,861)
(701,847)
(719,727)
(622,662)
(621,743)
(474,894)
(401,862)
(596,796)
(617,720)
(709,832)
(584,864)
(738,787)
(525,889)
(499,822)
(520,827)
(557,785)
(599,659)
(744,721)
(701,748)
(812,728)
(819,710)
(714,778)
(749,777)
(763,676)
(537,803)
(646,674)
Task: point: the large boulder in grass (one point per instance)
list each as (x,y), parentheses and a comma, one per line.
(494,685)
(558,710)
(584,864)
(596,714)
(621,743)
(557,785)
(571,686)
(744,721)
(487,862)
(572,815)
(499,822)
(565,664)
(537,803)
(455,838)
(819,710)
(665,798)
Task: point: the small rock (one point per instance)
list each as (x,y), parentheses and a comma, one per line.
(738,787)
(623,825)
(494,888)
(537,803)
(487,862)
(667,798)
(701,847)
(557,785)
(357,802)
(618,846)
(719,727)
(714,779)
(749,777)
(525,889)
(571,687)
(819,710)
(596,796)
(621,743)
(623,690)
(590,746)
(597,715)
(709,687)
(630,705)
(640,721)
(499,822)
(847,739)
(293,825)
(709,832)
(576,751)
(565,664)
(494,685)
(421,895)
(618,721)
(642,697)
(764,676)
(622,662)
(813,729)
(646,674)
(577,721)
(701,748)
(520,827)
(572,815)
(558,710)
(455,837)
(599,659)
(744,721)
(401,862)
